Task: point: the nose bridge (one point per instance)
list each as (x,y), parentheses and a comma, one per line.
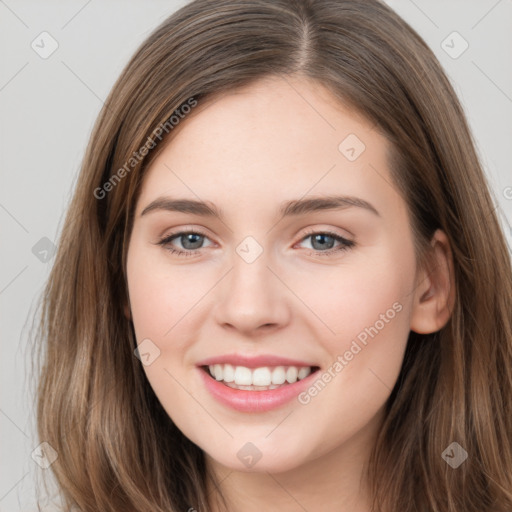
(252,295)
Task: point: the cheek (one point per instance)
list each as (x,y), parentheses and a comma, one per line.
(350,298)
(161,295)
(167,304)
(365,312)
(161,300)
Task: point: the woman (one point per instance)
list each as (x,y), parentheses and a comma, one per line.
(338,334)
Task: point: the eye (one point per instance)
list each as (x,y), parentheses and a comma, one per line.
(323,241)
(191,241)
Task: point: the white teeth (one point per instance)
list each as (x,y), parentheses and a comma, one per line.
(303,373)
(228,373)
(279,375)
(243,376)
(261,377)
(292,374)
(264,376)
(217,371)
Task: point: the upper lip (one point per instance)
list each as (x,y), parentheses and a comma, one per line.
(254,361)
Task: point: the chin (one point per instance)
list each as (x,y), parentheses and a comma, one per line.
(257,457)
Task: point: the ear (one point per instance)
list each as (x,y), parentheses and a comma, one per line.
(434,295)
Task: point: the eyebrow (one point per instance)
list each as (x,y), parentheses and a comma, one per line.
(289,208)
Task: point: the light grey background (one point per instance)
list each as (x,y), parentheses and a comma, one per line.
(48,107)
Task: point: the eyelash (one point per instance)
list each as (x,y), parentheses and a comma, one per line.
(346,244)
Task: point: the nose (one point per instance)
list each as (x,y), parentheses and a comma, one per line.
(252,298)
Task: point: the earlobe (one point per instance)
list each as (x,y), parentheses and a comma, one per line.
(434,296)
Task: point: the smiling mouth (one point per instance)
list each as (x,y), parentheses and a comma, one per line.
(258,379)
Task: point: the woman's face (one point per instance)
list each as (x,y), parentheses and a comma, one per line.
(277,282)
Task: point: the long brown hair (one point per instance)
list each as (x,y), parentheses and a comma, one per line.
(117,448)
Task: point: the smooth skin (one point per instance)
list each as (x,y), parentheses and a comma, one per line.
(247,152)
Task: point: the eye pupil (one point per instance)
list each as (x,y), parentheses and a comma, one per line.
(321,238)
(196,239)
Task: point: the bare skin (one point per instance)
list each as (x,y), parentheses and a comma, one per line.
(247,153)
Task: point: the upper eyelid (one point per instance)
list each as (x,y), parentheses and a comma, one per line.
(330,231)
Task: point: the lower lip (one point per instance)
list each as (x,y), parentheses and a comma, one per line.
(254,401)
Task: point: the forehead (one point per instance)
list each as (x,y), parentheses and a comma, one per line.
(279,137)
